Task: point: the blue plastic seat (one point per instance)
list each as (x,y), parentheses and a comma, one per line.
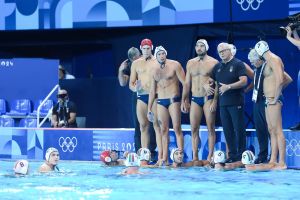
(28,122)
(7,121)
(2,106)
(20,107)
(46,107)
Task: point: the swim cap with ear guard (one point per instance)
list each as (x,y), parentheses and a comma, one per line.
(219,157)
(21,167)
(248,158)
(205,43)
(49,151)
(146,42)
(105,156)
(158,49)
(173,153)
(132,160)
(261,47)
(144,154)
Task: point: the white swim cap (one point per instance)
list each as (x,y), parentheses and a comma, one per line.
(232,49)
(173,152)
(21,167)
(219,157)
(132,160)
(248,157)
(203,41)
(253,55)
(158,49)
(49,151)
(261,47)
(144,154)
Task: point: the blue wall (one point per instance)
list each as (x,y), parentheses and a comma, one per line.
(27,78)
(87,144)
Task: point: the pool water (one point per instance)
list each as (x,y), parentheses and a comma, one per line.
(92,180)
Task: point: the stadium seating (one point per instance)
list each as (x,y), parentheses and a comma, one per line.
(20,107)
(46,107)
(28,122)
(7,121)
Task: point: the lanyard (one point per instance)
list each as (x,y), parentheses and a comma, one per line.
(261,71)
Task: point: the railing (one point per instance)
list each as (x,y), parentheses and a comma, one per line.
(38,125)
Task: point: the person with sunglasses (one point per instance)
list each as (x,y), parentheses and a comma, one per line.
(64,112)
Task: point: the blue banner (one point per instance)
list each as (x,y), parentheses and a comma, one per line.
(119,140)
(87,144)
(72,144)
(24,15)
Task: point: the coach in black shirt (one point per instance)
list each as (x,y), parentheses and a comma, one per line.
(230,75)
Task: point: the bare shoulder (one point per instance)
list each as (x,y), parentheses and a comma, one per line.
(137,62)
(212,59)
(174,63)
(44,168)
(276,60)
(191,63)
(194,60)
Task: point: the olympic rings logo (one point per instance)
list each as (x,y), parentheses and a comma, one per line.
(293,147)
(247,4)
(67,144)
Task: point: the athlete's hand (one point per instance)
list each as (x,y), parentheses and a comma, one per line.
(150,116)
(209,88)
(185,106)
(123,65)
(224,88)
(138,85)
(213,106)
(288,31)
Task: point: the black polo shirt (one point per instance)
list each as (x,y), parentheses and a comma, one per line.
(260,93)
(127,70)
(229,73)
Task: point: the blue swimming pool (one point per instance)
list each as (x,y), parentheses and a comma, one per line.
(91,180)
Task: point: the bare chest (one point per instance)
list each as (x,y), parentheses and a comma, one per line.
(200,69)
(268,71)
(164,74)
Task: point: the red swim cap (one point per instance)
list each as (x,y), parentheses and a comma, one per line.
(146,42)
(105,157)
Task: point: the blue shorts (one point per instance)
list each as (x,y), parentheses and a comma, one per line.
(280,100)
(167,102)
(143,97)
(202,100)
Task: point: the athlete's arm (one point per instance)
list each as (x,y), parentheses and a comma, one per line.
(133,77)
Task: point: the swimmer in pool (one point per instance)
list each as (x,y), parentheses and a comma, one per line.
(21,168)
(177,158)
(132,163)
(51,160)
(219,159)
(111,158)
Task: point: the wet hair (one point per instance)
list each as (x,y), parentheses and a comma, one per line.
(132,52)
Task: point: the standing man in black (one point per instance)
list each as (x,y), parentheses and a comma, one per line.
(64,112)
(259,114)
(230,76)
(123,76)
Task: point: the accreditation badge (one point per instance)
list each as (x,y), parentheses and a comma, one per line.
(254,95)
